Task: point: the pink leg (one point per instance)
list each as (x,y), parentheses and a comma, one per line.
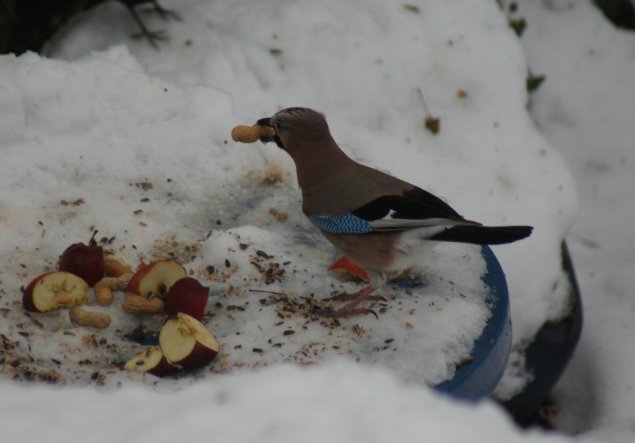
(354,300)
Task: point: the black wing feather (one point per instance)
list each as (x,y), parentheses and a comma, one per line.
(412,204)
(484,235)
(417,204)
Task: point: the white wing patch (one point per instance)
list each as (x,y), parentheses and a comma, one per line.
(402,224)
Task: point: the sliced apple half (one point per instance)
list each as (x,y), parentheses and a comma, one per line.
(186,342)
(187,295)
(152,361)
(55,290)
(156,278)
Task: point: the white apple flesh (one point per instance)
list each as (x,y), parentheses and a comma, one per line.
(55,290)
(152,361)
(186,342)
(156,278)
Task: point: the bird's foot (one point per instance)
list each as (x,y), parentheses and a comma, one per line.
(153,37)
(355,295)
(165,13)
(346,312)
(351,309)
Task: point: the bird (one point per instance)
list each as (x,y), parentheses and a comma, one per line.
(373,218)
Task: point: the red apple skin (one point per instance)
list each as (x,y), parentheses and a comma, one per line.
(27,293)
(164,368)
(187,295)
(135,280)
(199,357)
(85,261)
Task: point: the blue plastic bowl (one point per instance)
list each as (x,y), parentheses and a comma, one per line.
(477,378)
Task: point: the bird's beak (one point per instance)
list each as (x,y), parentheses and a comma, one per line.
(268,123)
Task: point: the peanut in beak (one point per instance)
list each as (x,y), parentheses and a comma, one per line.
(250,134)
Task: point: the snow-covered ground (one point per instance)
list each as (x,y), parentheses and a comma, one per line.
(585,108)
(140,136)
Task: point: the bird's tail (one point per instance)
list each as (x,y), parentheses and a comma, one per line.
(483,235)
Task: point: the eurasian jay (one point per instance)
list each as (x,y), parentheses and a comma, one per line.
(371,217)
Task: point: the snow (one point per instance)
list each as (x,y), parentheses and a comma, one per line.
(337,66)
(585,109)
(129,127)
(430,320)
(340,403)
(89,127)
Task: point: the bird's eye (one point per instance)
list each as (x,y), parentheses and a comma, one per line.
(280,124)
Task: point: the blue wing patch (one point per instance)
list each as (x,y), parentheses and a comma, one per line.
(341,224)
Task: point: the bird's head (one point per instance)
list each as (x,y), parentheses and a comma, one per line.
(294,127)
